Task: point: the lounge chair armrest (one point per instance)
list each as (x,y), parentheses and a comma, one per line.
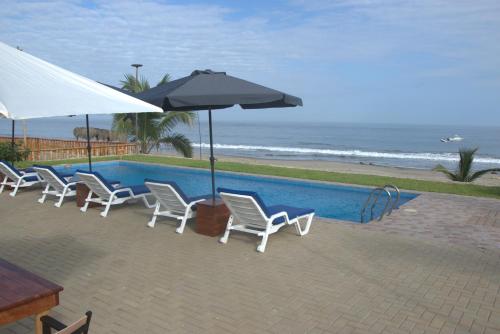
(50,323)
(278,215)
(193,203)
(122,190)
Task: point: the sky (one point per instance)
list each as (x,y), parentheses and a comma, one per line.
(384,61)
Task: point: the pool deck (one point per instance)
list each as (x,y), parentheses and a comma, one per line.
(433,266)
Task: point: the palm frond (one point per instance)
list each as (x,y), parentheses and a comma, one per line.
(129,83)
(122,125)
(480,173)
(166,78)
(465,163)
(172,118)
(465,167)
(155,128)
(179,142)
(440,168)
(143,85)
(134,85)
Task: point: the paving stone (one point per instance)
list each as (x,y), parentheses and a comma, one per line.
(433,270)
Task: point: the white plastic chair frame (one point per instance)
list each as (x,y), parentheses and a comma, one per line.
(17,181)
(174,206)
(105,196)
(59,189)
(252,219)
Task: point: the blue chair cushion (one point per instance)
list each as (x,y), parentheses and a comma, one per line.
(14,169)
(292,212)
(30,179)
(27,170)
(136,190)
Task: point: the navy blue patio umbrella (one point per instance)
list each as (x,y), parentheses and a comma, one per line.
(209,90)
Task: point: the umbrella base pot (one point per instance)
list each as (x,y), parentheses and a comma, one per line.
(211,218)
(82,191)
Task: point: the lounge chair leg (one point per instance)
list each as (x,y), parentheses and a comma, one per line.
(307,227)
(146,203)
(152,222)
(108,205)
(3,184)
(44,195)
(87,202)
(59,203)
(262,247)
(225,237)
(180,229)
(16,188)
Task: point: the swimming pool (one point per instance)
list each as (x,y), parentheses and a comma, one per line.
(329,200)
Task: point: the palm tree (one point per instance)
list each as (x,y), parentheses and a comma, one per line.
(153,129)
(464,172)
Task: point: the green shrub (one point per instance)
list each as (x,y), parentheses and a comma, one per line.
(13,153)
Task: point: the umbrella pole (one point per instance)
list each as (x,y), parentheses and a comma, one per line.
(199,130)
(89,149)
(212,159)
(12,142)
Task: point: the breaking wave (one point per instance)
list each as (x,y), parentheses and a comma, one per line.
(349,153)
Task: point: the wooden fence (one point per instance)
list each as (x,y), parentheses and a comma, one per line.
(57,149)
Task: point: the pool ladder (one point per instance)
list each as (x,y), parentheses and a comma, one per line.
(373,198)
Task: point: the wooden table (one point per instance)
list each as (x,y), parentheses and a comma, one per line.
(23,294)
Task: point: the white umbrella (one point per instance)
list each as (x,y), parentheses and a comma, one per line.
(33,88)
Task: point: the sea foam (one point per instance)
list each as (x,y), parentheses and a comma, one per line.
(350,153)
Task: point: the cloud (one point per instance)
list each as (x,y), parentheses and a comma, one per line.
(105,39)
(312,48)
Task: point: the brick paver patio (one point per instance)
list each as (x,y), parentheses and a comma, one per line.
(432,267)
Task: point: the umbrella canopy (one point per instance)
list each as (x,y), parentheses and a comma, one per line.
(204,90)
(207,90)
(33,88)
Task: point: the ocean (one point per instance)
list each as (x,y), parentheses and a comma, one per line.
(413,146)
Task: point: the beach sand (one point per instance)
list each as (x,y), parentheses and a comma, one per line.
(341,167)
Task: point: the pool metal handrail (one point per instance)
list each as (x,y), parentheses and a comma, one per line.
(395,203)
(375,194)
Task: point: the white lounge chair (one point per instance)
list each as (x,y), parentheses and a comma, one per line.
(59,185)
(108,194)
(253,216)
(18,178)
(172,202)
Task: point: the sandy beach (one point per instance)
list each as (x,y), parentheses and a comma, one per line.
(330,166)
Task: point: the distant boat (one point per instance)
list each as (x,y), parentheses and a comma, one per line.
(450,139)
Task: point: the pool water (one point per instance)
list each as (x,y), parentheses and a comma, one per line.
(329,200)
